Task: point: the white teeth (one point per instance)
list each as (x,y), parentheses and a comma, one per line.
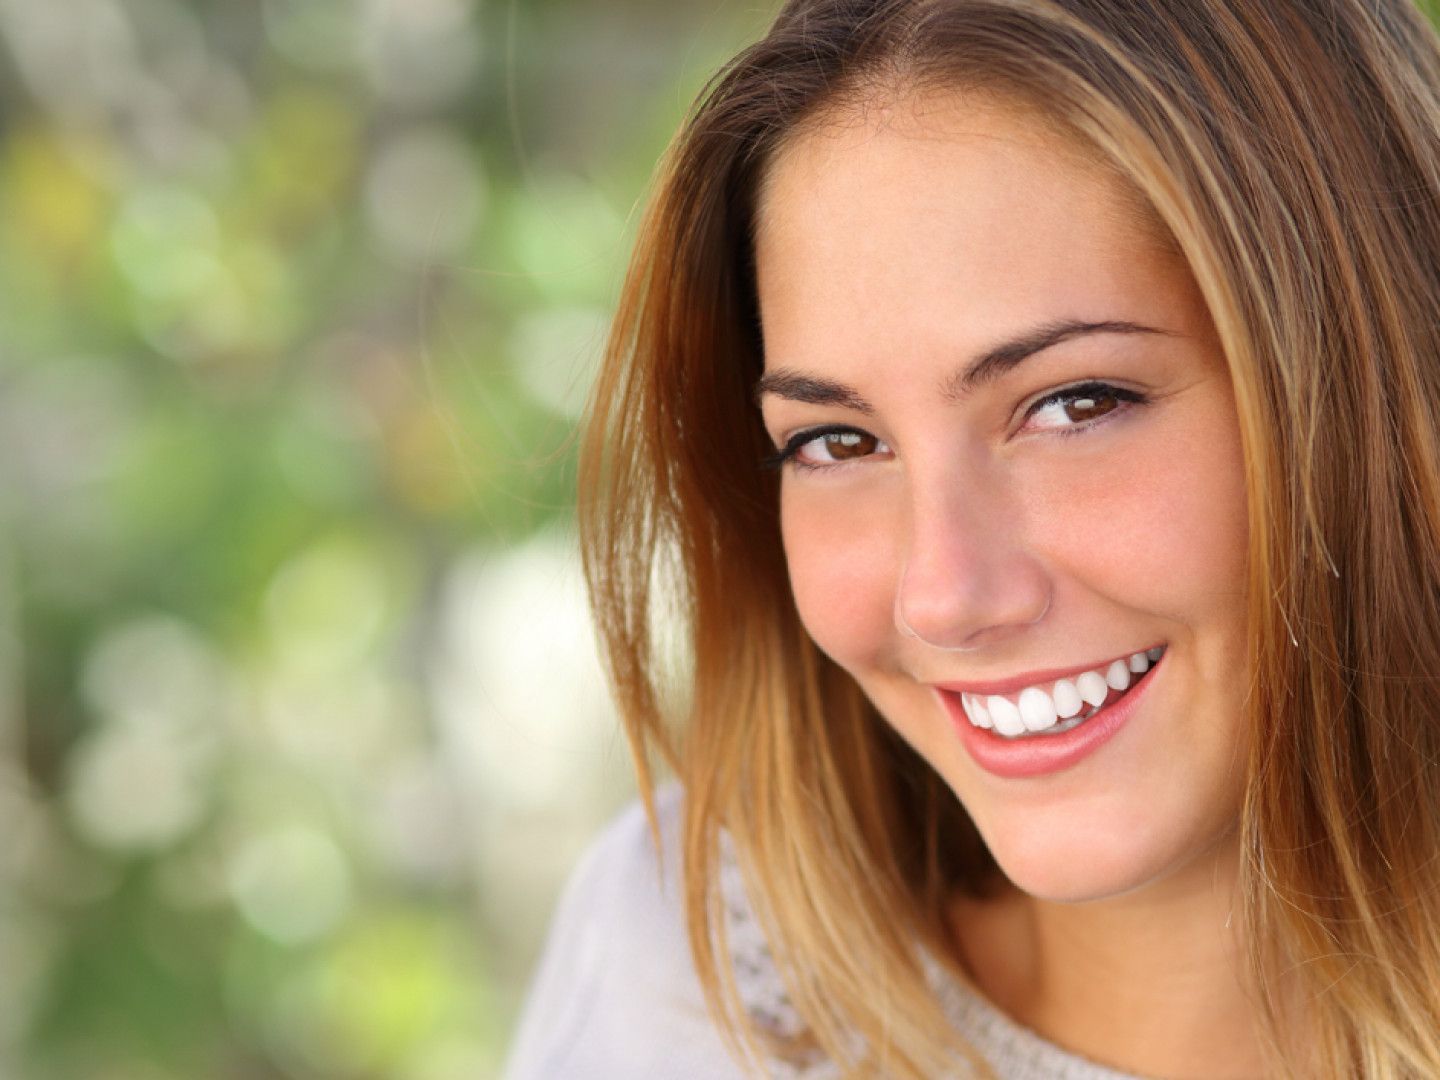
(1005,716)
(1067,699)
(1059,708)
(1093,688)
(1118,675)
(1036,709)
(975,709)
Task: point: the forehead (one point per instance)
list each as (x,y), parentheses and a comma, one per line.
(929,127)
(954,214)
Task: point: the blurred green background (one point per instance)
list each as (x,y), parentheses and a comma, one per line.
(301,724)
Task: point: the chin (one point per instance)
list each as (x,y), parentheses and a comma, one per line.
(1084,864)
(1071,875)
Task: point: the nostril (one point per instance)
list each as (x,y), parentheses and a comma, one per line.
(932,623)
(962,609)
(901,623)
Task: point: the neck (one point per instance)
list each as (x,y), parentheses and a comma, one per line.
(1153,982)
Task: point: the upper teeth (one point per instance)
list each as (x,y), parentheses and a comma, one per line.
(1042,708)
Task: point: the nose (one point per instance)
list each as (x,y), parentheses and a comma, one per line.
(970,576)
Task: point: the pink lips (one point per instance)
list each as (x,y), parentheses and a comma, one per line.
(1033,678)
(1039,755)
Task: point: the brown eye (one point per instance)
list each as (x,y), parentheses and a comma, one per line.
(845,445)
(818,449)
(1072,410)
(1080,409)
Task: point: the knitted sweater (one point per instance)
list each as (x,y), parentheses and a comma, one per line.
(616,997)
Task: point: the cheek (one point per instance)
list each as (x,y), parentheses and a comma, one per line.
(841,573)
(1163,531)
(1199,539)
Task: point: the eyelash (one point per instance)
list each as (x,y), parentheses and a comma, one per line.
(786,455)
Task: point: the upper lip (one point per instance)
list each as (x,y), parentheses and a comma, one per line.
(1032,678)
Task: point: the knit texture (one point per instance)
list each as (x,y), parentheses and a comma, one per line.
(616,997)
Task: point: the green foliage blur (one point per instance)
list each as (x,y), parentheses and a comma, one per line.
(298,726)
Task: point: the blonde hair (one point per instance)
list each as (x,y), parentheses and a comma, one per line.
(1291,151)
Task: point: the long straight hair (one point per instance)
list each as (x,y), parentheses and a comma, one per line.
(1290,149)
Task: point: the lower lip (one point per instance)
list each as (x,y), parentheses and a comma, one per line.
(1040,755)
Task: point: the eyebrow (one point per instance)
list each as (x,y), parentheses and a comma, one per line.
(985,368)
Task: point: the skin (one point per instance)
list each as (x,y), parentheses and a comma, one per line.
(894,244)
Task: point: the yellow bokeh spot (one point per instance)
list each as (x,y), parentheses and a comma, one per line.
(54,204)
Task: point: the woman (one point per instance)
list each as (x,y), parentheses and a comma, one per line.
(1059,691)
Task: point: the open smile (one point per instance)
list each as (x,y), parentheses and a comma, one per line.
(1048,702)
(1043,729)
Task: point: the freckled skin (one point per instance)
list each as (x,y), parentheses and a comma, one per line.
(894,247)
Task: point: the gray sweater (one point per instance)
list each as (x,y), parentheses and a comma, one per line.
(616,998)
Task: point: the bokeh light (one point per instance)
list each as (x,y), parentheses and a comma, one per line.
(301,719)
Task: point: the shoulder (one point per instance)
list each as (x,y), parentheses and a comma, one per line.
(616,994)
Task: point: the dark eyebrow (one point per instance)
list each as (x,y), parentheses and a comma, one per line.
(810,389)
(995,362)
(985,368)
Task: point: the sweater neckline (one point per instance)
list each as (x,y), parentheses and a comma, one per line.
(1012,1050)
(1003,1040)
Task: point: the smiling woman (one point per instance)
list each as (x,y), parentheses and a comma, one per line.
(886,249)
(1035,403)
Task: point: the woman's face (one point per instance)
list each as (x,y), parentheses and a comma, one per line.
(1014,464)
